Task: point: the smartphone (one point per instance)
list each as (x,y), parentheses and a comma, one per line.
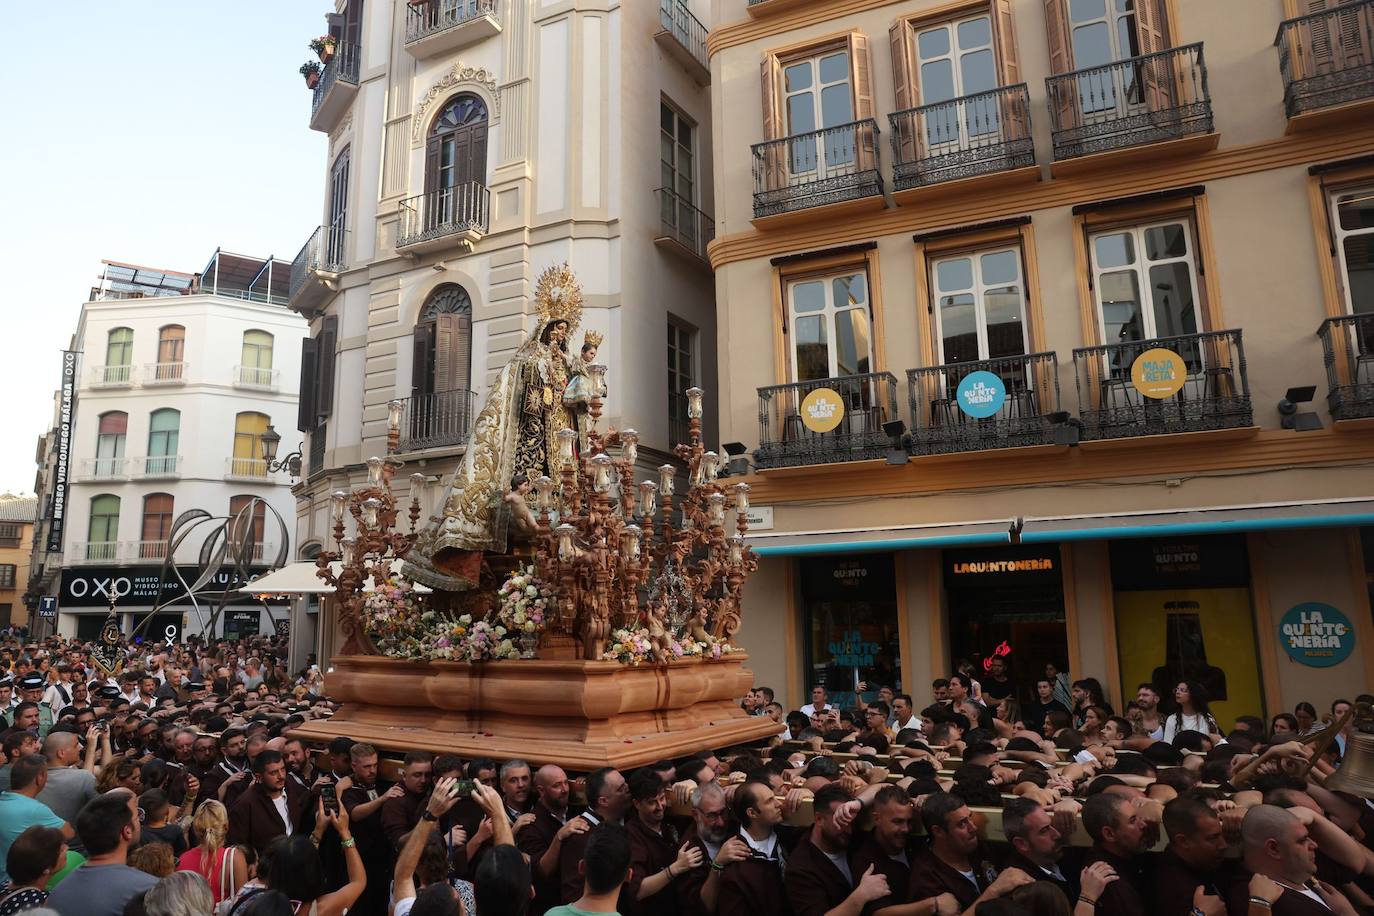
(462,788)
(330,795)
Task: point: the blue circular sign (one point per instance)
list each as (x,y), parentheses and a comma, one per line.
(981,394)
(1316,635)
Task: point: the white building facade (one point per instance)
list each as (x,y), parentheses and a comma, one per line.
(174,391)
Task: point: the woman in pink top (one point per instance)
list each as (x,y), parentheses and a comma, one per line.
(222,866)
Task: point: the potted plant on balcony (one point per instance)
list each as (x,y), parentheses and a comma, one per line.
(311,71)
(324,46)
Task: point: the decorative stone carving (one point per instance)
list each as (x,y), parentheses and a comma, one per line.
(457,77)
(344,127)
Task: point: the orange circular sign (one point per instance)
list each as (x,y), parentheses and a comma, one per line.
(1159,373)
(822,410)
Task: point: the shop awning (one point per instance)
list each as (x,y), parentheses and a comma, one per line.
(1335,513)
(300,579)
(867,540)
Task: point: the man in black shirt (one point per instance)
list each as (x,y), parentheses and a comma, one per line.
(1189,873)
(998,686)
(1034,715)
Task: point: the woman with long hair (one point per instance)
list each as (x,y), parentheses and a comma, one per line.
(1191,714)
(1094,717)
(1283,727)
(123,773)
(1306,714)
(1007,716)
(297,871)
(222,867)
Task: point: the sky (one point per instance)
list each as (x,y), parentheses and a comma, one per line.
(147,131)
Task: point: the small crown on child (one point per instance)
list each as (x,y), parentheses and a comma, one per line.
(592,339)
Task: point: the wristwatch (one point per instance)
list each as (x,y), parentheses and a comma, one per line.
(429,816)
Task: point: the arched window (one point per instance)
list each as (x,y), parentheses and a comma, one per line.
(109,443)
(164,433)
(248,430)
(246,525)
(157,524)
(119,355)
(255,364)
(171,353)
(102,536)
(456,153)
(443,343)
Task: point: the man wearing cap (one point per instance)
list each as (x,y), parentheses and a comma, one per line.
(31,689)
(58,696)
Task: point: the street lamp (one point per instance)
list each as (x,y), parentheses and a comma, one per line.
(271,439)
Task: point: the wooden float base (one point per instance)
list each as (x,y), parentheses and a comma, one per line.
(580,715)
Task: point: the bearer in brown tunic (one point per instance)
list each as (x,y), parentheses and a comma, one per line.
(754,886)
(1277,847)
(952,864)
(657,857)
(818,877)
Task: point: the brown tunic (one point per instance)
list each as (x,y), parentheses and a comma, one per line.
(650,853)
(1125,896)
(754,886)
(687,888)
(1173,882)
(254,820)
(897,873)
(1290,903)
(400,815)
(569,878)
(814,884)
(931,877)
(534,841)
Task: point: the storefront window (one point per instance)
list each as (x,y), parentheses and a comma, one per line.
(1007,603)
(850,608)
(1183,613)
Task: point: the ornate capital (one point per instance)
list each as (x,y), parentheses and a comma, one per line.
(457,77)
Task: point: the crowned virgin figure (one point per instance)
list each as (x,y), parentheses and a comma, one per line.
(515,437)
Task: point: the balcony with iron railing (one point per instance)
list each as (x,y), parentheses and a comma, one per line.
(255,378)
(836,165)
(1131,104)
(957,408)
(152,466)
(94,552)
(315,269)
(435,27)
(246,469)
(1348,351)
(682,36)
(981,134)
(112,376)
(681,226)
(103,469)
(315,458)
(1211,390)
(165,373)
(436,420)
(337,86)
(149,550)
(794,431)
(1326,59)
(444,218)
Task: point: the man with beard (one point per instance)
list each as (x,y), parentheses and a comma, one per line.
(656,860)
(818,879)
(1188,875)
(233,763)
(608,798)
(755,883)
(31,688)
(1147,698)
(271,807)
(204,754)
(952,864)
(715,835)
(363,797)
(299,765)
(400,813)
(1121,835)
(885,851)
(543,839)
(1037,846)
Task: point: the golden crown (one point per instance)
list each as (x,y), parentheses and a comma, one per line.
(558,296)
(592,339)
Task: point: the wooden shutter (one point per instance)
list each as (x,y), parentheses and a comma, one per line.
(772,175)
(421,372)
(902,43)
(305,404)
(453,332)
(1157,74)
(861,74)
(1064,106)
(1004,43)
(326,357)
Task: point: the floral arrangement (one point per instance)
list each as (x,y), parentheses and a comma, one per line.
(466,640)
(524,599)
(309,67)
(324,41)
(634,647)
(392,616)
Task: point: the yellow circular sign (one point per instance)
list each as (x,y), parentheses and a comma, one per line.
(1159,373)
(822,410)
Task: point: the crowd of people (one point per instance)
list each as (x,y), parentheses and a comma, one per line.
(174,788)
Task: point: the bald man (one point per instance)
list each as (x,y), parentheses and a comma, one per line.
(543,840)
(69,787)
(1280,859)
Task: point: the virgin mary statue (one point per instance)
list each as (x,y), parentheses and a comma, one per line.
(514,438)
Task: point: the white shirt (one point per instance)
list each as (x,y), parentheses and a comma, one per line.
(839,861)
(280,804)
(810,710)
(767,848)
(913,722)
(1194,723)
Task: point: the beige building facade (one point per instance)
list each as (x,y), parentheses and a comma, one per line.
(17,519)
(472,145)
(1017,300)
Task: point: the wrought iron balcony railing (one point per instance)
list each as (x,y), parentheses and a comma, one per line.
(342,68)
(464,210)
(940,426)
(680,222)
(968,136)
(157,465)
(675,17)
(95,551)
(439,419)
(103,468)
(247,468)
(316,456)
(431,17)
(112,376)
(323,252)
(1146,99)
(869,401)
(1327,58)
(150,550)
(1215,392)
(165,373)
(817,168)
(1348,351)
(255,378)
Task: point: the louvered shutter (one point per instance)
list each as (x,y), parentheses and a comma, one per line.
(771,175)
(1157,76)
(861,72)
(1064,101)
(327,358)
(901,41)
(1015,117)
(305,404)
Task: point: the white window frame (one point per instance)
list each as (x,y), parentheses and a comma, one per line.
(1340,235)
(979,291)
(815,90)
(1112,20)
(690,174)
(954,55)
(1141,266)
(829,313)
